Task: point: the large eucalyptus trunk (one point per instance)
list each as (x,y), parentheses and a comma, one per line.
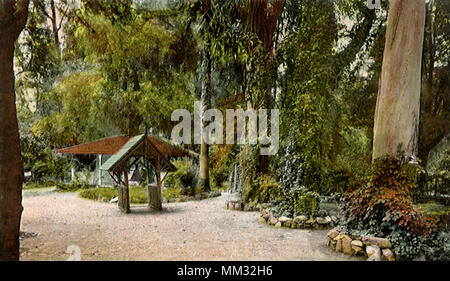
(398,104)
(13,15)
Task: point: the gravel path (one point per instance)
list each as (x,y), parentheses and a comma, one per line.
(199,230)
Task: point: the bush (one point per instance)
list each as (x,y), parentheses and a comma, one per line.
(188,181)
(107,193)
(184,178)
(137,195)
(171,193)
(222,158)
(37,185)
(262,189)
(298,202)
(384,208)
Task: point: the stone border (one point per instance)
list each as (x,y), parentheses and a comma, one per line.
(374,248)
(300,222)
(238,205)
(197,197)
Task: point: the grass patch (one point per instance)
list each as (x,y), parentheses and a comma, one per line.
(138,195)
(37,185)
(435,213)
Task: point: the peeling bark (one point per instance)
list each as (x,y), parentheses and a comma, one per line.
(398,105)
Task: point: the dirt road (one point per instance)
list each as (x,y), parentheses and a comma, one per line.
(199,230)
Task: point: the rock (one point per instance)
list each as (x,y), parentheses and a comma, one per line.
(284,219)
(266,216)
(237,206)
(373,252)
(328,219)
(375,241)
(278,224)
(357,243)
(387,255)
(333,244)
(273,220)
(334,232)
(301,219)
(293,225)
(338,245)
(311,221)
(321,221)
(262,220)
(341,236)
(334,219)
(357,248)
(358,251)
(347,245)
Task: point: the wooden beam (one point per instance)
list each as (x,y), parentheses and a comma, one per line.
(161,155)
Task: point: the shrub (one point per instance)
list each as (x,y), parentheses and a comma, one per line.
(137,195)
(384,208)
(262,189)
(298,202)
(385,200)
(188,181)
(107,193)
(171,193)
(184,178)
(37,185)
(222,158)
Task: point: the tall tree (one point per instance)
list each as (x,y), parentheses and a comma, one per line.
(13,16)
(398,105)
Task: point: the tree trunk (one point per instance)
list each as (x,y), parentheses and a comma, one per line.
(13,15)
(206,104)
(55,29)
(398,105)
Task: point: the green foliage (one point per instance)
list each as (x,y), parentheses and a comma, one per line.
(385,201)
(221,160)
(255,187)
(37,185)
(262,189)
(185,178)
(435,213)
(290,173)
(137,195)
(298,201)
(384,208)
(43,164)
(171,193)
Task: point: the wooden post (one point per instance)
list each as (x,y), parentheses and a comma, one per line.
(153,198)
(154,192)
(124,195)
(158,181)
(72,170)
(100,182)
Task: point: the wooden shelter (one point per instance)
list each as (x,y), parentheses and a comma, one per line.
(144,150)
